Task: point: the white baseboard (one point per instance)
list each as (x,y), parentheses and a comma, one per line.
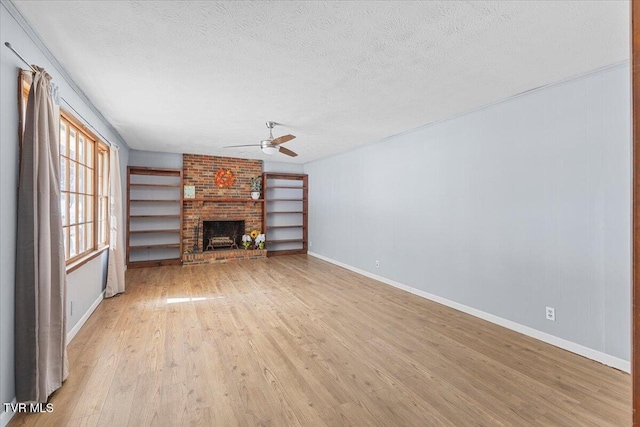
(6,416)
(72,333)
(587,352)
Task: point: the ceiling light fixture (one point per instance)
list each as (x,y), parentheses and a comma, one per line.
(270,149)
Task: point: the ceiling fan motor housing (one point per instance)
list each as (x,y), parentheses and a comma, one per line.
(266,143)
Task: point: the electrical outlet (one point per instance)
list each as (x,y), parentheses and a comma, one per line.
(377,263)
(310,244)
(72,308)
(551,314)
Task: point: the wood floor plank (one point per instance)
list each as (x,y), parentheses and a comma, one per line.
(300,342)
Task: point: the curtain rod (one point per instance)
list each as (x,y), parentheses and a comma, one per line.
(8,45)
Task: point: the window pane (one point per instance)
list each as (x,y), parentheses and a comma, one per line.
(63,138)
(89,181)
(80,200)
(72,176)
(72,143)
(100,232)
(72,242)
(80,148)
(103,219)
(105,208)
(81,239)
(104,180)
(88,207)
(89,154)
(105,231)
(63,173)
(72,208)
(81,172)
(66,242)
(100,173)
(90,235)
(63,208)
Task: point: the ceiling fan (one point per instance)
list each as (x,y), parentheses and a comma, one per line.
(271,145)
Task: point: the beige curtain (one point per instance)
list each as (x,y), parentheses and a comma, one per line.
(115,269)
(40,315)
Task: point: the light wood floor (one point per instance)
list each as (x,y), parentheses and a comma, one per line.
(297,341)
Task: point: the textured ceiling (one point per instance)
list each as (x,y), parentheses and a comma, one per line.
(187,76)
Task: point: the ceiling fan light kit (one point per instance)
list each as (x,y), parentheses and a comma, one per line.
(272,145)
(270,149)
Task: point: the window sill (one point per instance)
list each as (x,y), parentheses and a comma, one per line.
(85,259)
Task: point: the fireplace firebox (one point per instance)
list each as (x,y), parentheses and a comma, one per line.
(222,234)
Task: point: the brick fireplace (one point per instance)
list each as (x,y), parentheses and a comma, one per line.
(222,205)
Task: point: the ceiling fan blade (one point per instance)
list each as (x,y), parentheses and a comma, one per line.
(287,152)
(245,145)
(282,139)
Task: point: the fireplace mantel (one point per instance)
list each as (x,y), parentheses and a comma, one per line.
(223,200)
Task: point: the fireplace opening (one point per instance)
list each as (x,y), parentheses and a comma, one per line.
(224,234)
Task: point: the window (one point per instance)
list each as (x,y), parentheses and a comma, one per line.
(84,183)
(84,166)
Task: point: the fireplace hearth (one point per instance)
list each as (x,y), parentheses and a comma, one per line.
(222,234)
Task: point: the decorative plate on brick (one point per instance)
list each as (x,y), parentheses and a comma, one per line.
(224,178)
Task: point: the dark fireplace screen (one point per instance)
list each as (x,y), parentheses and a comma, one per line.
(217,235)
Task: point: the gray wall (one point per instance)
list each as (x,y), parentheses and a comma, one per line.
(282,167)
(506,209)
(85,284)
(154,159)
